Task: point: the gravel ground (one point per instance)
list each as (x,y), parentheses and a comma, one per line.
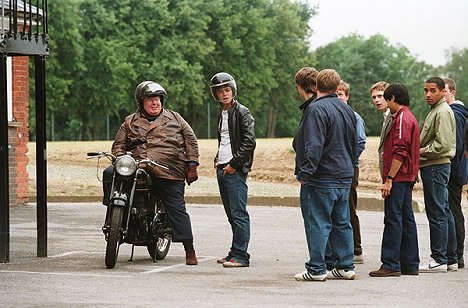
(70,174)
(82,181)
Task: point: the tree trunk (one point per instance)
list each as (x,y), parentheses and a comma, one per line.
(272,115)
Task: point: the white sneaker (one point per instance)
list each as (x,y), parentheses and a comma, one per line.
(341,274)
(452,267)
(306,276)
(433,267)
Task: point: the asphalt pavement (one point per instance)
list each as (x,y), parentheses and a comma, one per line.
(74,274)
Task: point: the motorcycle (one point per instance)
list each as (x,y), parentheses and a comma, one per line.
(134,215)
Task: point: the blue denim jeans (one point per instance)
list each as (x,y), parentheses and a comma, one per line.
(326,221)
(441,223)
(400,237)
(233,190)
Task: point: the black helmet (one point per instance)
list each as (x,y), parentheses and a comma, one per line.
(147,89)
(221,80)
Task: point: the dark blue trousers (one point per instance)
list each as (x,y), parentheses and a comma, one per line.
(400,250)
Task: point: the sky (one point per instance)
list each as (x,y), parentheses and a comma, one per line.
(426,27)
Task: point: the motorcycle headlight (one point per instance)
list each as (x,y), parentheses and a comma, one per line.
(125,165)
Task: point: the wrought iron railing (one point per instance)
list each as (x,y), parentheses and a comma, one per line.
(24,27)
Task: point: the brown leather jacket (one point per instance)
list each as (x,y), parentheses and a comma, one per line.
(169,140)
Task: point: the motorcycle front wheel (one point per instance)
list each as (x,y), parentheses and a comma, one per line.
(112,249)
(159,249)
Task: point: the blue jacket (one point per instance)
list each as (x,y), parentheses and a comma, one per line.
(459,166)
(361,137)
(327,144)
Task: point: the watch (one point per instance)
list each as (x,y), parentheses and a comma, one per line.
(390,177)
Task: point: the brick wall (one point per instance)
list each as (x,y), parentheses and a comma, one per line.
(19,132)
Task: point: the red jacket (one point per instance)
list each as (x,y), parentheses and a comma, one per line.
(402,143)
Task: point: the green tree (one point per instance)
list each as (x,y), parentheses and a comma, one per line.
(103,86)
(362,62)
(129,41)
(261,43)
(289,34)
(457,69)
(63,65)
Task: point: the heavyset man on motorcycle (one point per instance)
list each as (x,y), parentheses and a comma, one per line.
(162,135)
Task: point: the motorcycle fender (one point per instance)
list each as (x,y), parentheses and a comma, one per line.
(119,199)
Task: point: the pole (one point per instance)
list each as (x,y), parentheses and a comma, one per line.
(4,176)
(107,128)
(41,157)
(209,122)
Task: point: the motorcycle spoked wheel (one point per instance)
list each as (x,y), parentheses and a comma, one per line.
(160,247)
(112,249)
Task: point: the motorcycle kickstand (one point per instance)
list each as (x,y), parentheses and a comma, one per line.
(131,256)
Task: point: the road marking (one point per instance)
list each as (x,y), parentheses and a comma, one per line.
(165,268)
(74,253)
(158,269)
(65,274)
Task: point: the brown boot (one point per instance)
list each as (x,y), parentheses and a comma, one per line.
(190,257)
(384,272)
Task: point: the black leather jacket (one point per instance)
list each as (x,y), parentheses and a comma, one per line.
(242,134)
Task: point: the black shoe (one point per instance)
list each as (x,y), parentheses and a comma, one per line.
(461,262)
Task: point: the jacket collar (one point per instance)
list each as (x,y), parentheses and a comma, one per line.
(160,120)
(441,102)
(327,96)
(403,108)
(304,105)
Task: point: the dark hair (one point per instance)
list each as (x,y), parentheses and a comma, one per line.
(399,92)
(306,78)
(440,83)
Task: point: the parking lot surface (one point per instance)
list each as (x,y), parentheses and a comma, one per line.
(74,274)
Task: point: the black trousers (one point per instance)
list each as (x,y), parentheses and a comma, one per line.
(171,193)
(455,197)
(353,214)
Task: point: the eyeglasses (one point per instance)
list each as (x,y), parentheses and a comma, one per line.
(378,95)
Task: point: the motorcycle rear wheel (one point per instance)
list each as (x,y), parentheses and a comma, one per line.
(160,247)
(112,249)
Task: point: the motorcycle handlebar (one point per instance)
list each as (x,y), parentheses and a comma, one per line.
(152,162)
(98,154)
(111,156)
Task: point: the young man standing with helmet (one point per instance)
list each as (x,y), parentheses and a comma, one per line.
(162,135)
(236,145)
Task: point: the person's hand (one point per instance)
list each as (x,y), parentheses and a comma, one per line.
(228,169)
(137,141)
(300,180)
(192,174)
(386,188)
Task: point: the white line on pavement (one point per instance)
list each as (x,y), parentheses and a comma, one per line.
(64,274)
(165,268)
(75,252)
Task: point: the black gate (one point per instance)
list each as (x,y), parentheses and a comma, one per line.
(24,32)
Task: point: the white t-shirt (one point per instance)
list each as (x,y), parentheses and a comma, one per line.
(224,151)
